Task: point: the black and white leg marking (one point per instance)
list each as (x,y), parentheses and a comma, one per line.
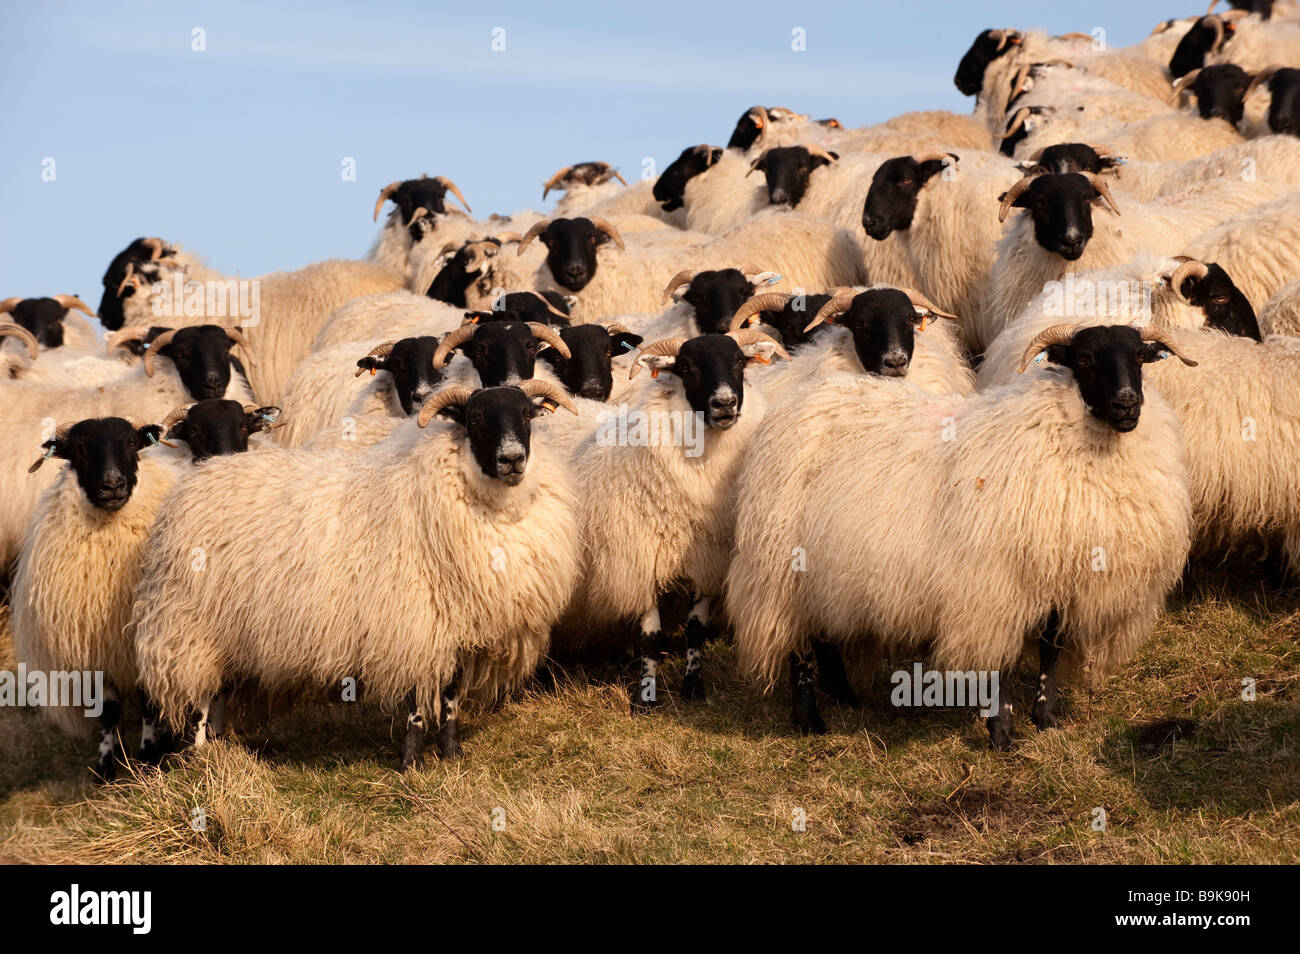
(449,726)
(803,694)
(645,693)
(1049,654)
(697,631)
(831,675)
(155,740)
(413,744)
(1001,731)
(106,759)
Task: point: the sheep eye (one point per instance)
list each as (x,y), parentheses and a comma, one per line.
(1082,361)
(905,182)
(1220,299)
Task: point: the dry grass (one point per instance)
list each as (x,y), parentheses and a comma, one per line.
(1185,769)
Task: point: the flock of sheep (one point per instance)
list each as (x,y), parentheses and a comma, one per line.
(941,386)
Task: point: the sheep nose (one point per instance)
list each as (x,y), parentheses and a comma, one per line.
(112,482)
(212,381)
(1125,401)
(593,390)
(722,403)
(511,461)
(896,363)
(779,196)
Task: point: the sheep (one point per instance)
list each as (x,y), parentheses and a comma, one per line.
(807,253)
(198,365)
(986,518)
(1281,313)
(420,211)
(1058,234)
(1256,44)
(663,469)
(942,217)
(1242,434)
(80,557)
(590,189)
(1257,246)
(70,346)
(1283,84)
(1165,138)
(373,316)
(670,187)
(459,508)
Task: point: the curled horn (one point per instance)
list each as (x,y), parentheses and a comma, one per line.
(1075,36)
(918,300)
(1261,78)
(662,346)
(176,415)
(1190,268)
(237,336)
(478,254)
(155,247)
(1004,37)
(762,118)
(10,329)
(384,195)
(534,387)
(819,152)
(162,341)
(537,229)
(1217,25)
(1181,84)
(1017,121)
(1056,334)
(504,237)
(1099,184)
(1009,197)
(676,282)
(748,336)
(444,398)
(613,327)
(451,187)
(72,301)
(838,304)
(1018,85)
(937,157)
(609,230)
(549,307)
(1161,337)
(451,341)
(60,433)
(546,333)
(768,301)
(754,165)
(555,180)
(9,304)
(618,176)
(123,335)
(379,351)
(128,278)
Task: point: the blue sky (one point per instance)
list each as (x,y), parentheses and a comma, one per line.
(236,151)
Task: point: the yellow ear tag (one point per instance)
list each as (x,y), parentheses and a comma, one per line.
(924,319)
(758,121)
(372,372)
(549,405)
(759,357)
(654,372)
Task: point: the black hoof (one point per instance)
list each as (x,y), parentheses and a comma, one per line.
(1043,717)
(810,723)
(693,687)
(1000,734)
(105,772)
(412,763)
(449,748)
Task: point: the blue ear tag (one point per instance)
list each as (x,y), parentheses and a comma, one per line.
(627,345)
(774,279)
(49,452)
(1120,160)
(268,417)
(1040,357)
(1164,354)
(152,439)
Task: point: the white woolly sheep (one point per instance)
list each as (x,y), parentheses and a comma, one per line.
(1281,313)
(1259,247)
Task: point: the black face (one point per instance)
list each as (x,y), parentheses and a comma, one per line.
(1225,307)
(410,364)
(1061,206)
(1220,91)
(670,187)
(215,427)
(1196,42)
(1009,145)
(788,169)
(105,453)
(1284,110)
(453,281)
(748,128)
(498,423)
(526,306)
(891,200)
(970,71)
(1075,157)
(1107,364)
(883,323)
(502,352)
(715,296)
(111,315)
(43,317)
(790,321)
(712,371)
(571,251)
(589,372)
(414,193)
(202,358)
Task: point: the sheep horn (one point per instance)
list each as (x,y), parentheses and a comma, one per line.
(451,187)
(10,329)
(555,180)
(1009,197)
(537,229)
(748,336)
(676,282)
(384,195)
(176,415)
(839,303)
(618,176)
(123,335)
(1075,36)
(451,341)
(1190,268)
(768,301)
(272,420)
(504,237)
(72,301)
(1004,37)
(918,300)
(161,341)
(1161,337)
(1056,334)
(535,387)
(761,119)
(444,398)
(378,351)
(1018,85)
(1017,121)
(1180,84)
(1100,185)
(937,157)
(1260,78)
(549,307)
(609,230)
(819,152)
(613,327)
(662,346)
(546,333)
(754,165)
(1217,25)
(9,304)
(127,277)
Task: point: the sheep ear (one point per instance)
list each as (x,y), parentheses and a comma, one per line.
(180,431)
(760,351)
(1059,354)
(624,341)
(454,413)
(657,362)
(147,436)
(372,364)
(929,169)
(51,449)
(262,418)
(543,404)
(1152,351)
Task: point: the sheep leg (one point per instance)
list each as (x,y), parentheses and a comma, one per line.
(1000,725)
(644,693)
(831,675)
(697,630)
(449,726)
(413,744)
(803,680)
(1049,654)
(106,762)
(201,729)
(155,740)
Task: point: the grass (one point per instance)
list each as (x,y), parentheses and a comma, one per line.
(1184,769)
